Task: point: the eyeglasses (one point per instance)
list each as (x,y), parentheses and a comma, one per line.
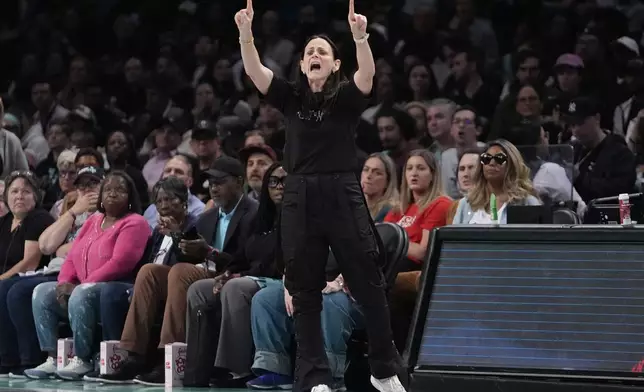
(20,173)
(87,185)
(274,181)
(499,158)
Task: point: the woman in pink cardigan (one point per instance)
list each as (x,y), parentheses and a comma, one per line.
(108,247)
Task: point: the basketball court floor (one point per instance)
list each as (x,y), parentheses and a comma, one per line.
(24,385)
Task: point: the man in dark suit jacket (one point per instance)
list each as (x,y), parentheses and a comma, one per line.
(222,232)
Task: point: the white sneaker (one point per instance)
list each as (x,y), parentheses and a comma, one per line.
(43,371)
(391,384)
(321,388)
(75,370)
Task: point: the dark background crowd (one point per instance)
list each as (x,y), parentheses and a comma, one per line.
(122,73)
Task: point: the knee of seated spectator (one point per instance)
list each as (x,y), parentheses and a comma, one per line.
(234,286)
(335,306)
(178,271)
(193,291)
(177,276)
(5,287)
(44,294)
(148,273)
(17,294)
(80,296)
(270,295)
(114,293)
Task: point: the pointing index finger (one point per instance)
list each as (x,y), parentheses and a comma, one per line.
(249,5)
(351,9)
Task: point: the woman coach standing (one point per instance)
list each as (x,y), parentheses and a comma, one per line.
(323,203)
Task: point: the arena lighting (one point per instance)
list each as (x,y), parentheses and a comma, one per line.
(534,302)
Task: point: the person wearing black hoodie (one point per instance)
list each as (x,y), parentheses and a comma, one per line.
(604,166)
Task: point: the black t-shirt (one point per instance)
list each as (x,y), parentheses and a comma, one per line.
(12,244)
(319,138)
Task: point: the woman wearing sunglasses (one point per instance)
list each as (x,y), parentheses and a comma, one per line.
(503,173)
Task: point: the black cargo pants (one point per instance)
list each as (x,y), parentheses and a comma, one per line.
(318,212)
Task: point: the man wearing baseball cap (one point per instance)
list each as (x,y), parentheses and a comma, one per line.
(604,166)
(568,70)
(257,158)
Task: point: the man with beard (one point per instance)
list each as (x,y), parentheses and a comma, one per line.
(396,130)
(256,158)
(466,86)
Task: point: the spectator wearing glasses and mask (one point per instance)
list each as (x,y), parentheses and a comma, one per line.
(85,157)
(503,173)
(465,131)
(57,239)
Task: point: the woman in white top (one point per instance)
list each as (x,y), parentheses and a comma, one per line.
(502,172)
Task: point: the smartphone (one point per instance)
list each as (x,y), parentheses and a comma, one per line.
(191,234)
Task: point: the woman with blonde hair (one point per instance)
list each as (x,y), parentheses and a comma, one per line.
(503,173)
(379,184)
(422,207)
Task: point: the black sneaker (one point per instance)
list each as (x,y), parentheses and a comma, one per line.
(231,382)
(154,378)
(19,372)
(93,376)
(129,369)
(4,371)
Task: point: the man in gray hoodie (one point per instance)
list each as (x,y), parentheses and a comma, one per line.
(12,157)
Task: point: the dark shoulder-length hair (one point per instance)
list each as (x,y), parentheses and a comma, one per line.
(267,211)
(332,84)
(133,198)
(132,158)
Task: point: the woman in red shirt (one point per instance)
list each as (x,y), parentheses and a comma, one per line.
(422,207)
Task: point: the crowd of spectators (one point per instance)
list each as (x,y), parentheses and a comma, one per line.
(141,175)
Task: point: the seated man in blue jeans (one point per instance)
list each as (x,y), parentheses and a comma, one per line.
(272,324)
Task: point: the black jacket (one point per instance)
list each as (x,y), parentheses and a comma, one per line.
(239,230)
(607,170)
(173,256)
(259,257)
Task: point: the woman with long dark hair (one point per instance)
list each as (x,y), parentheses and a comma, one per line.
(323,203)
